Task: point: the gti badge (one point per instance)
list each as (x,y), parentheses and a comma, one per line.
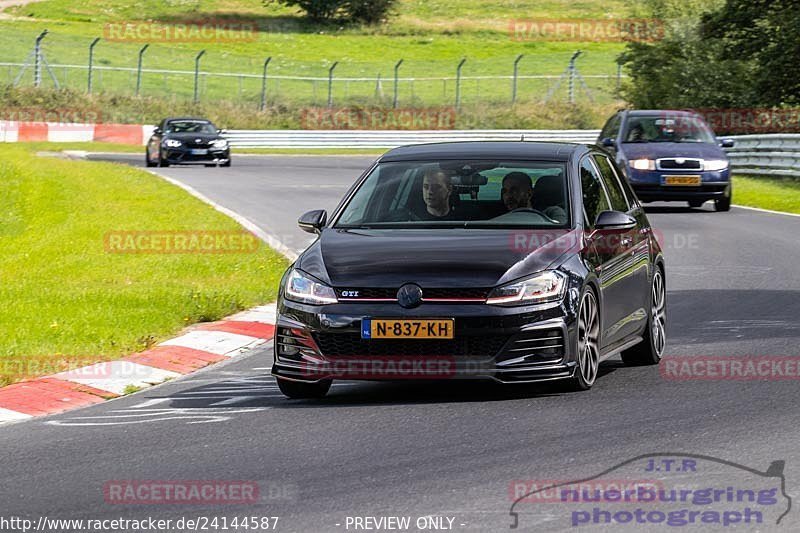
(349,294)
(409,295)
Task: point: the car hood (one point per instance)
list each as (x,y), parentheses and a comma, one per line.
(434,258)
(187,137)
(659,150)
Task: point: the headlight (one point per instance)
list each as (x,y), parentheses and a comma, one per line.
(545,287)
(303,289)
(643,164)
(715,164)
(172,143)
(220,143)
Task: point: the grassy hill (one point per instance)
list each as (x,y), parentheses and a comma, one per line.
(430,36)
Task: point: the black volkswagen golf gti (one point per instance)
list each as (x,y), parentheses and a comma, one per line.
(513,261)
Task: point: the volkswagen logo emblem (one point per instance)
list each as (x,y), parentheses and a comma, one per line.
(198,141)
(680,160)
(409,296)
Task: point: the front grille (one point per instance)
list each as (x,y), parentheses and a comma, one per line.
(430,293)
(351,344)
(535,346)
(685,164)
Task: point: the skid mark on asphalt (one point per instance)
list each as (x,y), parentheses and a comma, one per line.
(214,402)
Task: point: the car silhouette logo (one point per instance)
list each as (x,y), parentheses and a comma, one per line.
(409,295)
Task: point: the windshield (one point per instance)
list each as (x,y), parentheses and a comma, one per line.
(190,126)
(464,193)
(663,128)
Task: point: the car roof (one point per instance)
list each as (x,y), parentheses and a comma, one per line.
(550,151)
(196,119)
(645,112)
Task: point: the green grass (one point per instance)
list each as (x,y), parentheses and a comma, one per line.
(777,194)
(68,302)
(431,36)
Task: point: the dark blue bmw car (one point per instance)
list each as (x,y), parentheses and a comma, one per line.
(670,155)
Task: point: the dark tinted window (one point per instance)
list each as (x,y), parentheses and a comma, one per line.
(594,197)
(611,129)
(615,193)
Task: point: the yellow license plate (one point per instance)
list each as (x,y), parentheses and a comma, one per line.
(682,180)
(407,328)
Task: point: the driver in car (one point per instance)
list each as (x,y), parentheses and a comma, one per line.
(436,191)
(517,193)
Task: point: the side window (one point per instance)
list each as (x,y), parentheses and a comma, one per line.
(609,177)
(611,129)
(594,196)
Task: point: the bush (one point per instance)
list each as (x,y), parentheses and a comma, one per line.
(358,11)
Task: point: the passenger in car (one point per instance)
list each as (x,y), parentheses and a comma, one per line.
(518,193)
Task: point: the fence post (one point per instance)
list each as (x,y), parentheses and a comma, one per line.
(197,73)
(572,76)
(91,63)
(37,60)
(139,69)
(619,74)
(458,83)
(396,82)
(264,85)
(330,83)
(514,84)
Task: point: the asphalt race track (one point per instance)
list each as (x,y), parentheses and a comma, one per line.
(442,450)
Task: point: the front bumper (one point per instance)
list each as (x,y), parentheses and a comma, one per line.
(184,156)
(648,185)
(508,345)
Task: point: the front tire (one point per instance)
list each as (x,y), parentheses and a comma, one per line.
(163,162)
(651,349)
(226,163)
(724,203)
(297,390)
(588,345)
(694,204)
(148,160)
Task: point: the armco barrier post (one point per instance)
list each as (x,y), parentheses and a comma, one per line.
(458,83)
(264,84)
(330,83)
(197,74)
(91,63)
(514,84)
(139,69)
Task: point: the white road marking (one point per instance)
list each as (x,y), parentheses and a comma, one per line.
(116,376)
(216,342)
(264,313)
(7,415)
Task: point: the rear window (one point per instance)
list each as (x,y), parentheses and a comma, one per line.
(463,193)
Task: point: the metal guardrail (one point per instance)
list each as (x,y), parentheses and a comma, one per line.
(392,139)
(766,155)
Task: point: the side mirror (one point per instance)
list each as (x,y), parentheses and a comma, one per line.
(313,221)
(157,131)
(614,220)
(727,143)
(608,142)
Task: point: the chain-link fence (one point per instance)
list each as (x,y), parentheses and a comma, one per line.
(54,60)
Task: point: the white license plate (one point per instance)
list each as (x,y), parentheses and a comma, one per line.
(198,151)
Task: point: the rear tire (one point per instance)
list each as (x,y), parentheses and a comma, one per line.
(724,203)
(301,391)
(651,349)
(588,343)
